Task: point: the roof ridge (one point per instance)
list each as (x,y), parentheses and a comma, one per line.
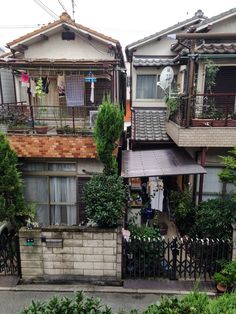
(195,17)
(64,18)
(215,17)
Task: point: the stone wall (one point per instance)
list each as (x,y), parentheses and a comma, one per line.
(70,254)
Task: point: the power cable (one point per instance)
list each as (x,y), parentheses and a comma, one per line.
(62,5)
(20,26)
(46,9)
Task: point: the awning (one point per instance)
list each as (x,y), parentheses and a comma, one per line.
(159,162)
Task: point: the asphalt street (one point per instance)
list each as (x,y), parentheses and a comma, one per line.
(12,302)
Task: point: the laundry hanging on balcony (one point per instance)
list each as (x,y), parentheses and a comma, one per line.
(24,79)
(61,85)
(91,79)
(74,90)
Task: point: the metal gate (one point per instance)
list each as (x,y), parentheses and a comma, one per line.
(9,255)
(174,259)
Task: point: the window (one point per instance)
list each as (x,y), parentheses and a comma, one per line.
(147,88)
(53,188)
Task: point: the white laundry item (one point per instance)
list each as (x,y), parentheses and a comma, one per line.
(32,87)
(156,193)
(92,92)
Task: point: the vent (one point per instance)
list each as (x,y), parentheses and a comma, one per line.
(93,117)
(68,35)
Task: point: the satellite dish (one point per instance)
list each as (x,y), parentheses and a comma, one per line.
(166,77)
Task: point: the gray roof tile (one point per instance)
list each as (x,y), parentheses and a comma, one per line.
(149,125)
(152,61)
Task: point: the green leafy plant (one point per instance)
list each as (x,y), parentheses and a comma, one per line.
(228,175)
(214,218)
(225,304)
(39,88)
(227,276)
(12,205)
(107,131)
(105,198)
(144,232)
(184,210)
(63,305)
(210,76)
(173,104)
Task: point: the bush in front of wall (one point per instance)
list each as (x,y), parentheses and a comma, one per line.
(105,199)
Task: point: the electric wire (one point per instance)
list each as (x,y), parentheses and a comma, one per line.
(62,5)
(46,9)
(20,26)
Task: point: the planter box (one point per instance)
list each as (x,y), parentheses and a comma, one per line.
(41,129)
(18,131)
(218,123)
(231,123)
(201,122)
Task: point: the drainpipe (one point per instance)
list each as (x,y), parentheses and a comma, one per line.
(203,162)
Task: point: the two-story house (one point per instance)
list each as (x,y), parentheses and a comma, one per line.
(173,145)
(61,73)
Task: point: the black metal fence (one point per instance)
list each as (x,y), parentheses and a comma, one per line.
(9,255)
(174,259)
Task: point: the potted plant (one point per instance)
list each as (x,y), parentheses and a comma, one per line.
(41,127)
(18,128)
(231,120)
(226,278)
(218,119)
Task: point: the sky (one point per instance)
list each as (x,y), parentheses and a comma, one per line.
(124,20)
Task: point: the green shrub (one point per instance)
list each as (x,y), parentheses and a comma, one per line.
(105,198)
(63,305)
(214,218)
(225,304)
(144,232)
(184,210)
(227,276)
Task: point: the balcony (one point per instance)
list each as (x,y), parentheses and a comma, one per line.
(211,123)
(20,118)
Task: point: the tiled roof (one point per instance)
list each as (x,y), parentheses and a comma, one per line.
(217,48)
(64,18)
(196,18)
(215,18)
(152,61)
(149,125)
(32,146)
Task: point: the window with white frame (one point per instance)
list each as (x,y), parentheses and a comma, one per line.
(146,87)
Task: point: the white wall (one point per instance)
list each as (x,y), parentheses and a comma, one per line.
(157,47)
(56,48)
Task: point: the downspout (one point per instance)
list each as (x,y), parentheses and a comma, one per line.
(1,91)
(203,163)
(190,82)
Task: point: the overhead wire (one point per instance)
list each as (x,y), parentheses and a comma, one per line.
(46,9)
(62,5)
(20,26)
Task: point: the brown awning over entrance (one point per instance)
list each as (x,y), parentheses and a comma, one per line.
(159,162)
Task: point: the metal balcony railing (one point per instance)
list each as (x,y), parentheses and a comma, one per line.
(68,119)
(208,107)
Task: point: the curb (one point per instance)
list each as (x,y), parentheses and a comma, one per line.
(98,289)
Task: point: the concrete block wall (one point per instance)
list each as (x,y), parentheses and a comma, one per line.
(71,253)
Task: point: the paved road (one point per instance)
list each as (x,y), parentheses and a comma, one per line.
(12,302)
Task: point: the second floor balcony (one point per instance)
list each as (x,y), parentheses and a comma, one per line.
(21,118)
(206,120)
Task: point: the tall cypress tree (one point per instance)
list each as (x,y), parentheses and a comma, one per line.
(12,204)
(108,128)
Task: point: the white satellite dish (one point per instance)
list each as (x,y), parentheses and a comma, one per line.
(166,77)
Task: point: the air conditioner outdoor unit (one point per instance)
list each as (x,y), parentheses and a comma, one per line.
(93,117)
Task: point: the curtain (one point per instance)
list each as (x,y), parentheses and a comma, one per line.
(63,200)
(146,87)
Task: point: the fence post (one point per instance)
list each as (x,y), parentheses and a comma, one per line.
(234,242)
(175,253)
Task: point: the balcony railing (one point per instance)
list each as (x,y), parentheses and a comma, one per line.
(217,109)
(61,119)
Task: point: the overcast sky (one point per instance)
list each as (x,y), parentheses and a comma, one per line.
(125,20)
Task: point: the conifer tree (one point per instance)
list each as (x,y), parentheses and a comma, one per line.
(12,204)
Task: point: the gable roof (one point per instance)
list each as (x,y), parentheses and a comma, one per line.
(65,19)
(199,16)
(215,19)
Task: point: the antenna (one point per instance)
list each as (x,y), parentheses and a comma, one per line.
(73,9)
(166,78)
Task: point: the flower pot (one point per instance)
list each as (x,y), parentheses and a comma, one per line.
(41,129)
(218,123)
(220,288)
(231,123)
(201,122)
